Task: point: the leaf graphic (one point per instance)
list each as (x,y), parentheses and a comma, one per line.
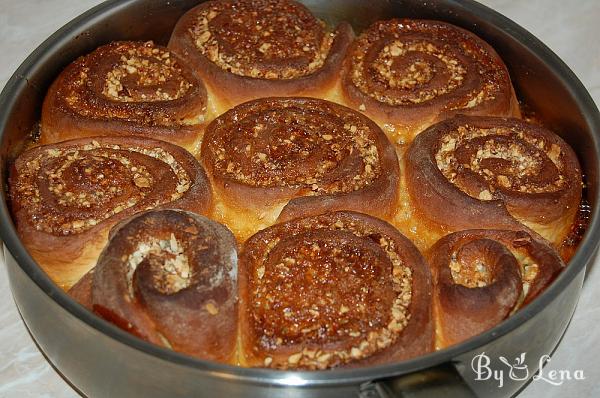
(517,361)
(522,361)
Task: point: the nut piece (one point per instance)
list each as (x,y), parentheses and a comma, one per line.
(485,195)
(295,358)
(212,309)
(141,182)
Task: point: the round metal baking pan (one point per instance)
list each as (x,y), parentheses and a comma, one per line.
(101,360)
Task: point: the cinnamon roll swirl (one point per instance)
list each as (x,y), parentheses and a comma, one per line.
(482,276)
(247,49)
(408,74)
(280,158)
(126,88)
(169,277)
(65,197)
(338,289)
(487,172)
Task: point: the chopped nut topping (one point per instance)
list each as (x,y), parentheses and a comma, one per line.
(285,316)
(74,171)
(524,158)
(141,73)
(485,195)
(470,275)
(447,52)
(292,33)
(170,266)
(257,145)
(142,182)
(295,358)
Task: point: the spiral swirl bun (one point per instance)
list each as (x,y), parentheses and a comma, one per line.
(305,155)
(248,49)
(332,290)
(225,30)
(169,277)
(408,74)
(482,276)
(126,88)
(473,172)
(66,196)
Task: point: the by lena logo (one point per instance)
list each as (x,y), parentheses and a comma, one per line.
(518,370)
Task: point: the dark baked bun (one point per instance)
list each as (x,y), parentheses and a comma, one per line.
(483,276)
(169,277)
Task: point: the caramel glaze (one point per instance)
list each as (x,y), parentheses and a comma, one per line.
(169,277)
(408,74)
(487,172)
(299,156)
(126,88)
(569,245)
(250,49)
(480,277)
(65,197)
(338,289)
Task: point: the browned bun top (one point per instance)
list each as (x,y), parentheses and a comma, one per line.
(66,196)
(127,87)
(331,290)
(170,277)
(276,149)
(482,276)
(269,39)
(415,72)
(469,172)
(251,49)
(73,186)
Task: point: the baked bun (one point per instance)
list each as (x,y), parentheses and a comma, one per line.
(127,88)
(497,173)
(65,197)
(409,74)
(483,276)
(248,49)
(280,158)
(338,289)
(169,277)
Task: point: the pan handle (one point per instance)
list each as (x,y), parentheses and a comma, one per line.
(440,381)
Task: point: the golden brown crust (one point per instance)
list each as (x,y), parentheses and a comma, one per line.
(302,155)
(126,88)
(480,277)
(250,49)
(338,289)
(65,197)
(487,172)
(82,290)
(169,277)
(408,74)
